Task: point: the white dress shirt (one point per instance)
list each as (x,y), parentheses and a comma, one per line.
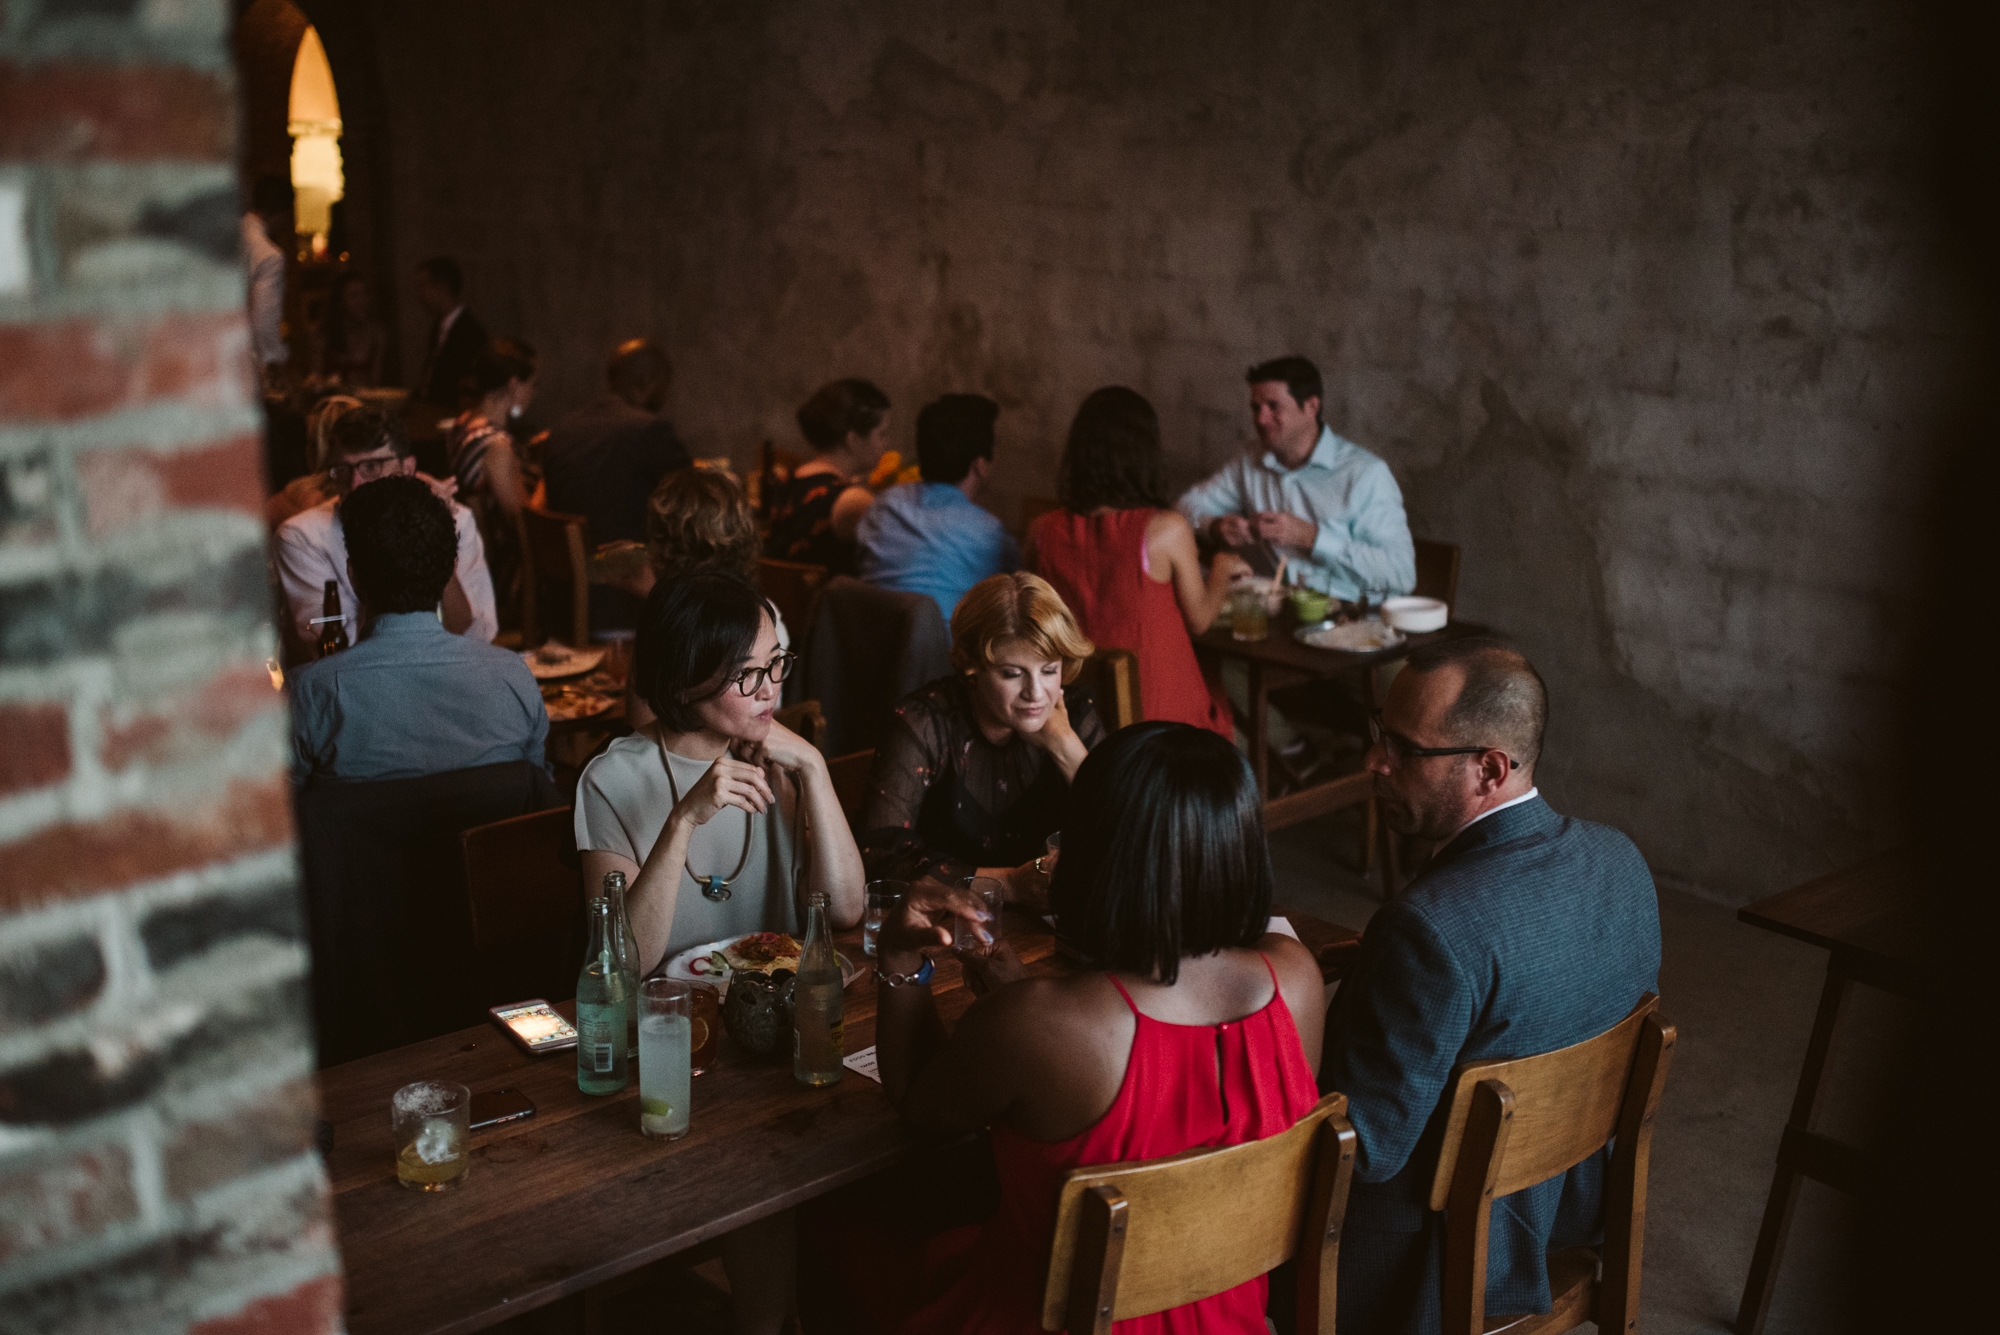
(1363,545)
(267,294)
(1528,796)
(311,549)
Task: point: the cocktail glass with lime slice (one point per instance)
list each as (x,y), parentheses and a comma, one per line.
(665,1082)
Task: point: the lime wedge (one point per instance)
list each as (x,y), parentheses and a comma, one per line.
(655,1108)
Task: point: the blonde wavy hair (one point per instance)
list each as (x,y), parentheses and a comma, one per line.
(1016,607)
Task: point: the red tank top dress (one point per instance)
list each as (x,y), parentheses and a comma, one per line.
(1097,564)
(1186,1087)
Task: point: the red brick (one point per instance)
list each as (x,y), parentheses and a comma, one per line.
(34,745)
(126,487)
(218,711)
(77,368)
(275,1127)
(64,1201)
(313,1308)
(130,113)
(73,859)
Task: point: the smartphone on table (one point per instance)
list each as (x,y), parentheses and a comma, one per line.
(497,1107)
(534,1026)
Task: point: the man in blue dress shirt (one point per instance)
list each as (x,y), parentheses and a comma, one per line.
(932,536)
(1529,931)
(411,698)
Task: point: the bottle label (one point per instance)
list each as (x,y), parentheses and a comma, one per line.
(599,1045)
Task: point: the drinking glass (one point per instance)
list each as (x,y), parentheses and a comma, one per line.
(884,898)
(432,1120)
(1249,616)
(705,1018)
(666,1025)
(991,895)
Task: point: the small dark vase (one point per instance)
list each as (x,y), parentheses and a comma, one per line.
(758,1013)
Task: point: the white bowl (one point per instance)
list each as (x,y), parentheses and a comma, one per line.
(1415,615)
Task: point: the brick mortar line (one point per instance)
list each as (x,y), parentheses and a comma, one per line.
(189,294)
(163,426)
(279,1279)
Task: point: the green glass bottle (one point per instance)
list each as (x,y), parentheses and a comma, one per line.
(602,1003)
(817,1032)
(628,959)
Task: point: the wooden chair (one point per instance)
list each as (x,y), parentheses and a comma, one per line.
(1323,799)
(556,548)
(1437,571)
(1033,508)
(1515,1123)
(805,719)
(1113,678)
(525,895)
(793,587)
(850,783)
(1136,1238)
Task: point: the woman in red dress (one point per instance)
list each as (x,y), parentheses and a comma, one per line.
(1125,561)
(1202,1029)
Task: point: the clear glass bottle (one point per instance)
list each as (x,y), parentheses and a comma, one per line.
(817,1032)
(628,958)
(602,1004)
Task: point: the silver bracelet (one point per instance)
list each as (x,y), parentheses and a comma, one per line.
(921,978)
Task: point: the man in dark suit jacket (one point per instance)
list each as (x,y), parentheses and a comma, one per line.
(1529,931)
(456,334)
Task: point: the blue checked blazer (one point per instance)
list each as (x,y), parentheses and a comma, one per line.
(1528,932)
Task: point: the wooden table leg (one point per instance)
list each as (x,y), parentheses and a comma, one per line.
(1785,1182)
(1260,729)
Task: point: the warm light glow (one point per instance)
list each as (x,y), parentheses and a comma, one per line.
(317,179)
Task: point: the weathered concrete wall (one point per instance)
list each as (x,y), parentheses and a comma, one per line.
(1632,298)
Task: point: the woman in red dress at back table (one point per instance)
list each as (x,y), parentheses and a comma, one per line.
(1164,1050)
(1125,561)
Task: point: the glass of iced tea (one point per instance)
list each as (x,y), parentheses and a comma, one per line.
(1249,613)
(705,1032)
(433,1125)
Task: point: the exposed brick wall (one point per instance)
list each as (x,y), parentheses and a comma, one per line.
(156,1105)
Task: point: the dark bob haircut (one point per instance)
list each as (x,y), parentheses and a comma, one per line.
(693,631)
(498,364)
(1163,854)
(1112,456)
(401,543)
(836,409)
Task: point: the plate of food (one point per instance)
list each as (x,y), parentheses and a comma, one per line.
(760,952)
(566,704)
(554,660)
(1356,637)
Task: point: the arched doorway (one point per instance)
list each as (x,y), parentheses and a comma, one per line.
(291,117)
(313,121)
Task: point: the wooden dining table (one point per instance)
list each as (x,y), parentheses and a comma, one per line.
(1279,660)
(575,1195)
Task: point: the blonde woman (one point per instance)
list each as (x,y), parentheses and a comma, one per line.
(973,772)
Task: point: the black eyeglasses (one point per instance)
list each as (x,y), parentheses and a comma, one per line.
(751,680)
(1401,748)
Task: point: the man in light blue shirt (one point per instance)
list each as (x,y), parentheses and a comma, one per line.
(1331,508)
(412,698)
(931,536)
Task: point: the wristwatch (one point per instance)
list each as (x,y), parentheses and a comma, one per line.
(921,978)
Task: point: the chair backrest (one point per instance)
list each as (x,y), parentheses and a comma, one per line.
(1142,1237)
(1514,1123)
(523,892)
(1113,678)
(1321,799)
(805,719)
(1034,507)
(850,784)
(793,587)
(556,548)
(870,647)
(1437,571)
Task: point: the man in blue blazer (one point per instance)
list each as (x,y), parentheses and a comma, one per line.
(1529,931)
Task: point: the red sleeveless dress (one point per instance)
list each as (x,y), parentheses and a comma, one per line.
(992,1277)
(1097,564)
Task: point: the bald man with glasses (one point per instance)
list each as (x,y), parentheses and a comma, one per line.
(1528,931)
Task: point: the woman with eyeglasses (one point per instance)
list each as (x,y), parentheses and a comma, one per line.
(708,809)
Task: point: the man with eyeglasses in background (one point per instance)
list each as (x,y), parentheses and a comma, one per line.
(1528,931)
(363,445)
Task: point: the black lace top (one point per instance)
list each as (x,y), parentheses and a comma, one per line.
(802,522)
(943,799)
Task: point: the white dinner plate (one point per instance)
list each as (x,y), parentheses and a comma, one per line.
(1355,637)
(554,660)
(681,965)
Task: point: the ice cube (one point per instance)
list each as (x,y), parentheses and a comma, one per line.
(438,1141)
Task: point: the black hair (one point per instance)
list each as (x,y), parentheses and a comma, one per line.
(1163,852)
(951,433)
(836,409)
(693,630)
(444,271)
(1112,456)
(639,373)
(1301,378)
(401,543)
(271,193)
(364,430)
(500,362)
(1503,702)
